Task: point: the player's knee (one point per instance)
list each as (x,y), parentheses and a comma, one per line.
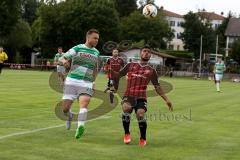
(140,114)
(65,109)
(127,109)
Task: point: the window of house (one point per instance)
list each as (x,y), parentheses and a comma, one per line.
(172,23)
(178,35)
(179,24)
(170,47)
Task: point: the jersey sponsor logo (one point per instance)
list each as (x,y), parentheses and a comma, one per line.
(138,75)
(86,55)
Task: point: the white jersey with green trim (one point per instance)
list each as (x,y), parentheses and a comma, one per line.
(84,61)
(57,57)
(219,68)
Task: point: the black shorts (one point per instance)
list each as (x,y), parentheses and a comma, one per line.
(136,103)
(1,66)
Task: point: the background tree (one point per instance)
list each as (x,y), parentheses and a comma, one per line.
(29,8)
(66,23)
(221,33)
(10,13)
(236,51)
(19,38)
(125,7)
(194,26)
(153,31)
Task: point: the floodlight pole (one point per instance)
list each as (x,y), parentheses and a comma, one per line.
(216,48)
(200,59)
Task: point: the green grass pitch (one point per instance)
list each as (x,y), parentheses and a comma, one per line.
(203,126)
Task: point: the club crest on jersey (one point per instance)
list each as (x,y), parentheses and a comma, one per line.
(147,71)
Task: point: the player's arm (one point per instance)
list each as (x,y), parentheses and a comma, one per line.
(224,68)
(55,60)
(67,57)
(214,69)
(122,63)
(122,72)
(5,56)
(159,90)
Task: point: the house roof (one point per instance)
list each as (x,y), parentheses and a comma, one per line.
(164,55)
(170,14)
(233,27)
(212,15)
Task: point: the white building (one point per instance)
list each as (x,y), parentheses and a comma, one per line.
(232,32)
(157,58)
(215,19)
(175,21)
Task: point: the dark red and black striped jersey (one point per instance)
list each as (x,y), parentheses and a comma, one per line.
(139,77)
(114,64)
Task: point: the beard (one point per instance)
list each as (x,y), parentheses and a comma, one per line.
(145,59)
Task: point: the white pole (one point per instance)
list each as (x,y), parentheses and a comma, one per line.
(216,48)
(200,58)
(226,54)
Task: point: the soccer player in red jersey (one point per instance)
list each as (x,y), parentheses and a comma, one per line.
(139,76)
(115,63)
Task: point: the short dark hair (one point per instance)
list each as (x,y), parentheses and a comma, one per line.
(146,46)
(59,47)
(90,31)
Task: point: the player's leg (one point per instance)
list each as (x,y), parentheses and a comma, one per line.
(113,88)
(141,108)
(82,115)
(67,112)
(126,118)
(111,93)
(69,95)
(1,66)
(218,80)
(108,86)
(116,84)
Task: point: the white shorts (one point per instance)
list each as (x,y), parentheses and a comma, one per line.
(73,88)
(61,69)
(218,77)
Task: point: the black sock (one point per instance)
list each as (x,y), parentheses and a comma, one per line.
(126,122)
(143,128)
(111,95)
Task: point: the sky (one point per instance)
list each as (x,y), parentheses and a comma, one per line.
(184,6)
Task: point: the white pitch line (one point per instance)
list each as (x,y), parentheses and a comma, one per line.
(43,129)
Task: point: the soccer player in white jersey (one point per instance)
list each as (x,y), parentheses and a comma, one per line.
(219,68)
(83,61)
(60,68)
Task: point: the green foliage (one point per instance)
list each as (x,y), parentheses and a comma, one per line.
(29,8)
(20,36)
(152,31)
(9,14)
(236,51)
(221,33)
(65,24)
(125,7)
(194,26)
